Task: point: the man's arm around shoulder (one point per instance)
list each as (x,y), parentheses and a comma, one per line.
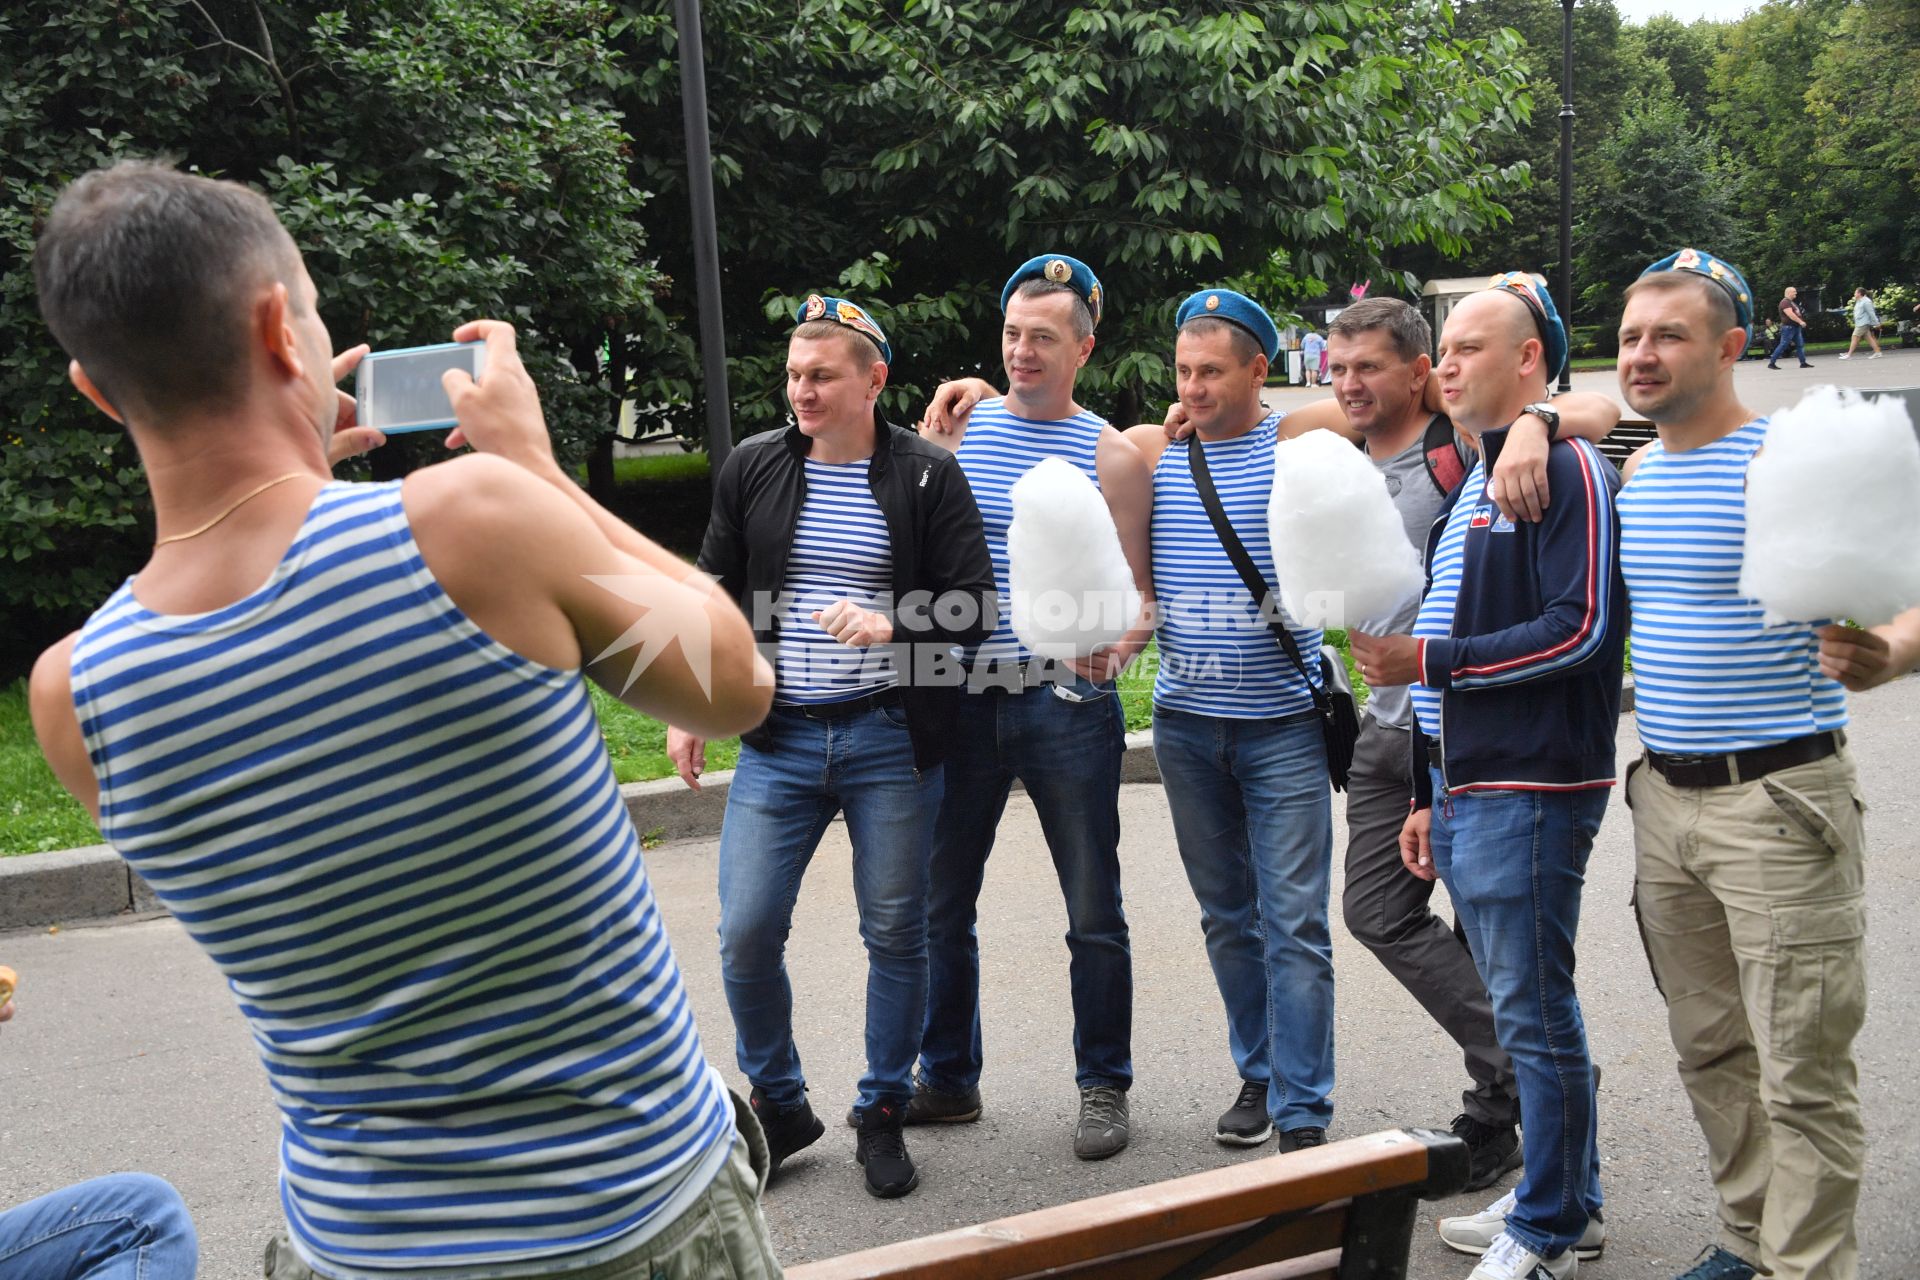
(1576,551)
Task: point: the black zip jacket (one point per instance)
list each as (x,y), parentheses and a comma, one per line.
(943,592)
(1529,678)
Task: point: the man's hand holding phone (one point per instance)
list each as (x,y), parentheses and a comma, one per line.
(500,414)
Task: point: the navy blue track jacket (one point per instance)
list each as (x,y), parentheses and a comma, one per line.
(1530,676)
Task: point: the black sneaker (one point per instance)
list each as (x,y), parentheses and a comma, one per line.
(1104,1127)
(1493,1149)
(1772,365)
(1245,1123)
(1806,364)
(1715,1263)
(882,1151)
(936,1106)
(790,1130)
(1302,1138)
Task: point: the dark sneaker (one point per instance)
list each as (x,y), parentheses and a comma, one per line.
(1806,364)
(1493,1149)
(937,1106)
(1302,1138)
(1103,1129)
(790,1130)
(1715,1263)
(882,1151)
(1245,1123)
(1772,365)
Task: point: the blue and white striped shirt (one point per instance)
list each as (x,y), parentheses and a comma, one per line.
(1708,674)
(998,448)
(1217,657)
(402,845)
(1436,611)
(840,551)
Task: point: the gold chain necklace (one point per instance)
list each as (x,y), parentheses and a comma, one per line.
(238,503)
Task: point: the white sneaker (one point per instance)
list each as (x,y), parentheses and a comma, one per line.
(1508,1259)
(1847,356)
(1476,1232)
(1876,355)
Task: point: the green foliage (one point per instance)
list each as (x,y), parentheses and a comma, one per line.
(435,161)
(913,154)
(1656,183)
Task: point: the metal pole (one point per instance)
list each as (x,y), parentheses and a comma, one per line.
(1566,182)
(706,240)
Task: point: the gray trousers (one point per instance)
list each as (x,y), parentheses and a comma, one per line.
(1386,908)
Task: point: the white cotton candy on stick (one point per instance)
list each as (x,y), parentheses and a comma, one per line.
(1339,546)
(1833,511)
(1071,588)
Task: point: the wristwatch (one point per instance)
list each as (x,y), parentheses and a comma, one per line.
(1547,414)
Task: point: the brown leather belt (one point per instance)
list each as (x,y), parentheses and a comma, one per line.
(1685,769)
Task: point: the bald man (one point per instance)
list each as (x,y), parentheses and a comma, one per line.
(1515,663)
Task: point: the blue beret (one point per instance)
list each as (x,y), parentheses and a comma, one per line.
(840,311)
(1234,308)
(1532,290)
(1060,269)
(1721,272)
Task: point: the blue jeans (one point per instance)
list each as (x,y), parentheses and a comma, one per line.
(1514,863)
(1253,815)
(778,807)
(125,1226)
(1793,340)
(1068,754)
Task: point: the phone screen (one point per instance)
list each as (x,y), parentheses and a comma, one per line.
(401,391)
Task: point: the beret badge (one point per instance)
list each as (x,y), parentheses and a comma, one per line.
(1058,271)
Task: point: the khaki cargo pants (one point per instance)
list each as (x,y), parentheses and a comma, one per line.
(721,1236)
(1751,902)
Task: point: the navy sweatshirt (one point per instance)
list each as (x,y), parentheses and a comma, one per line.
(1530,675)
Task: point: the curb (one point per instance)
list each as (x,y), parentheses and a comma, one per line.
(42,889)
(92,881)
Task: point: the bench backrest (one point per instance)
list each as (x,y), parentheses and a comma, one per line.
(1344,1211)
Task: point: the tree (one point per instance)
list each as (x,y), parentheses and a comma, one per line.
(1656,185)
(1863,101)
(436,161)
(915,153)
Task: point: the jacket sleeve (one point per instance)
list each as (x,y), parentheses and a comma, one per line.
(1576,548)
(723,552)
(956,604)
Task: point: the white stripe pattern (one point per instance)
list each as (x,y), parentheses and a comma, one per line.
(840,551)
(1217,657)
(1709,674)
(402,845)
(998,448)
(1436,611)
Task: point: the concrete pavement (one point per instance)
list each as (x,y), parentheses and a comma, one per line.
(128,1055)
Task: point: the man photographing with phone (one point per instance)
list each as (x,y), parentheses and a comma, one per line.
(341,729)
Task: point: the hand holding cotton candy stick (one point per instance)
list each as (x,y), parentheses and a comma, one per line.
(1339,546)
(1071,590)
(1833,511)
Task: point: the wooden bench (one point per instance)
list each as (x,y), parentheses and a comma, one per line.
(1342,1212)
(1625,438)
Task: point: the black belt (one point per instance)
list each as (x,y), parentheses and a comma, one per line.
(1005,676)
(887,697)
(1686,769)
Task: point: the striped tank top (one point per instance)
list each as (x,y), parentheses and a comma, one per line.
(402,845)
(1436,610)
(998,448)
(1709,674)
(1217,657)
(840,551)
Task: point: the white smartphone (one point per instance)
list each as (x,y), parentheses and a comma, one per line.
(400,390)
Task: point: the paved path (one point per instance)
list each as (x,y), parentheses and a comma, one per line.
(1764,390)
(128,1054)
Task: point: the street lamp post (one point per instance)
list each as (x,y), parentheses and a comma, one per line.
(1566,181)
(706,240)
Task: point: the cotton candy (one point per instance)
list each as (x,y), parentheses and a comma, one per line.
(1071,588)
(1833,511)
(1339,546)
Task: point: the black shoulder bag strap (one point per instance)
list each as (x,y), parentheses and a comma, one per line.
(1256,584)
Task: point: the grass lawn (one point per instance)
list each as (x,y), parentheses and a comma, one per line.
(36,813)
